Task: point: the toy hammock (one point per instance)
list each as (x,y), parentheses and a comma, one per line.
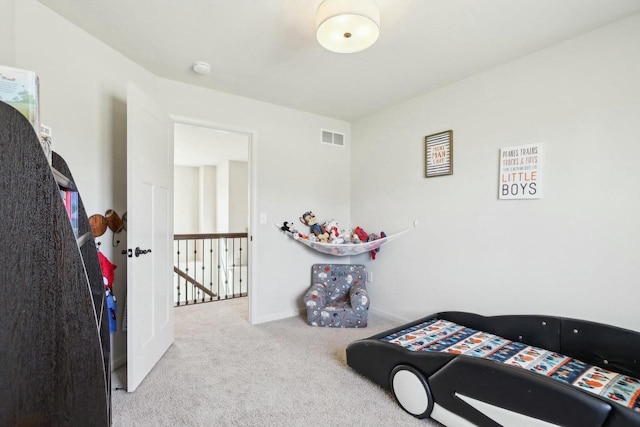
(348,249)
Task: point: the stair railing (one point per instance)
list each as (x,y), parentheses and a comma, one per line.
(210,267)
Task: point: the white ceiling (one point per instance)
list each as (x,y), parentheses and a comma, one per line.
(196,146)
(266,49)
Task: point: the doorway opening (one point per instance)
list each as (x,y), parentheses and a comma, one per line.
(211,213)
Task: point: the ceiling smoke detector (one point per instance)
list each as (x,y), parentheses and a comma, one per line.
(201,67)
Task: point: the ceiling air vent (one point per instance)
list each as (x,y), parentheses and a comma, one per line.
(333,138)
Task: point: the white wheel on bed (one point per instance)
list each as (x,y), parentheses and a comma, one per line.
(411,390)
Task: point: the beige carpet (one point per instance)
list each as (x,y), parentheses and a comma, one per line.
(221,371)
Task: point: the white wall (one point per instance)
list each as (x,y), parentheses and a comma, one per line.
(186,218)
(222,197)
(7,33)
(572,253)
(238,197)
(232,201)
(563,254)
(291,171)
(83,99)
(195,199)
(208,199)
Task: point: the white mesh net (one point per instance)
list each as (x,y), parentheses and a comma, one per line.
(348,249)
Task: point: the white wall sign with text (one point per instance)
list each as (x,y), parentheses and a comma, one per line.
(520,172)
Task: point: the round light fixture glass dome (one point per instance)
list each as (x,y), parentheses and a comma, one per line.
(347,26)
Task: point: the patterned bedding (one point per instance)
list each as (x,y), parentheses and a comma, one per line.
(445,336)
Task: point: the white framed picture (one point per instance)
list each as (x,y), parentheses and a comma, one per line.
(520,172)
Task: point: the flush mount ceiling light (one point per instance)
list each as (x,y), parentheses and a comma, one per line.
(347,26)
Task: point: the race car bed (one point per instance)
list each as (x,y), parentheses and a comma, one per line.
(463,370)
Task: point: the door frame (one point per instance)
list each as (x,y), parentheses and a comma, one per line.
(253,150)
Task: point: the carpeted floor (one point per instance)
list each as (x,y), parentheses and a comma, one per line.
(221,371)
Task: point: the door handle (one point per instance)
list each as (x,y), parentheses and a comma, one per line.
(139,251)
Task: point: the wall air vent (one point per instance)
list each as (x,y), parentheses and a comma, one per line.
(332,138)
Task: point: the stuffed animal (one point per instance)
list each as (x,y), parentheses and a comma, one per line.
(308,218)
(348,236)
(362,235)
(334,234)
(330,225)
(373,237)
(335,238)
(289,228)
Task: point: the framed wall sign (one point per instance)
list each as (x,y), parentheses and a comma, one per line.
(439,154)
(520,172)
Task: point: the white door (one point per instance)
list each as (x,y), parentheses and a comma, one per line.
(149,234)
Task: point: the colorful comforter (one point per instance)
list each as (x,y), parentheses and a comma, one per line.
(444,336)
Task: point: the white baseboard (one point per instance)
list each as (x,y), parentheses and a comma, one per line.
(277,316)
(388,316)
(301,311)
(117,362)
